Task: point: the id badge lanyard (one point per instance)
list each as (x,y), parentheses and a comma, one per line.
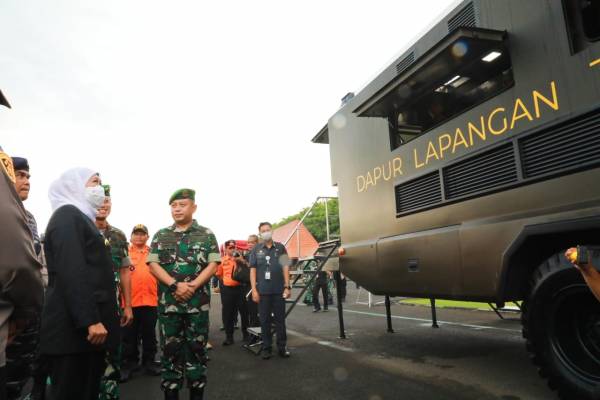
(268,271)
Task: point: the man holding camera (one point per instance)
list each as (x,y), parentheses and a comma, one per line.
(232,292)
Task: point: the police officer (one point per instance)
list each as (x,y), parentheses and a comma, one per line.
(21,352)
(183,257)
(119,253)
(22,185)
(22,294)
(270,280)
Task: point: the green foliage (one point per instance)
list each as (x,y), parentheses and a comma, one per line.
(315,222)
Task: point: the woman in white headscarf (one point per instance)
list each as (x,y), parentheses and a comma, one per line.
(79,321)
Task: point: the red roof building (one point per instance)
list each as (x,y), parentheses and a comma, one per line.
(308,243)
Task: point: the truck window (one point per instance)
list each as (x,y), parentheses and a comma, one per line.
(582,19)
(463,87)
(590,14)
(464,69)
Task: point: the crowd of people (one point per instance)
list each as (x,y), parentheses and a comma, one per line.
(78,304)
(82,304)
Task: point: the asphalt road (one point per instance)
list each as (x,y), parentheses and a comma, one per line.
(473,355)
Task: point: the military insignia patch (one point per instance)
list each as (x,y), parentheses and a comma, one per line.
(7,166)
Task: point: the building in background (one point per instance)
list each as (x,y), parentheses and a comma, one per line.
(298,240)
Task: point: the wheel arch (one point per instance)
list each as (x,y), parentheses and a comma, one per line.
(534,245)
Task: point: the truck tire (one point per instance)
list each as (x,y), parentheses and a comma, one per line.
(561,326)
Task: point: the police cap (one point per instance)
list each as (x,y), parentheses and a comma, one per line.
(20,164)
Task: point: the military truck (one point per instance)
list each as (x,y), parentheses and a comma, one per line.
(469,165)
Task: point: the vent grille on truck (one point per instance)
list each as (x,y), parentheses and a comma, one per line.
(419,193)
(484,172)
(571,145)
(465,17)
(405,63)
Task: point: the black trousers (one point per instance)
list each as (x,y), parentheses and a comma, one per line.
(251,306)
(324,289)
(252,312)
(232,302)
(76,376)
(3,383)
(143,328)
(343,288)
(20,358)
(271,309)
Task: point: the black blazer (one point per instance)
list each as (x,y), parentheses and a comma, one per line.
(81,286)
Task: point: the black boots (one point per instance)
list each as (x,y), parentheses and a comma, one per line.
(266,354)
(196,393)
(283,353)
(171,394)
(152,368)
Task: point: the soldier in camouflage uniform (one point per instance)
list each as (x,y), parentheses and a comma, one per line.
(119,251)
(183,257)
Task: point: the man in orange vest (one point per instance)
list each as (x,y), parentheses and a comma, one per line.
(232,293)
(144,300)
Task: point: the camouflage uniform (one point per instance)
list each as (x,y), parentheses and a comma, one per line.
(119,252)
(183,326)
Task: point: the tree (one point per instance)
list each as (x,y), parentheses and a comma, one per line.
(315,222)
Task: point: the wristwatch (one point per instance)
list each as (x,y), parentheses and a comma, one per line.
(173,286)
(288,287)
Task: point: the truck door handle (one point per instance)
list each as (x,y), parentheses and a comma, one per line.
(413,265)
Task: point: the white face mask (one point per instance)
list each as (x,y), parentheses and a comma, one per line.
(95,196)
(266,235)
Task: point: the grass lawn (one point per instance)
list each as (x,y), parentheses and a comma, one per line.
(451,304)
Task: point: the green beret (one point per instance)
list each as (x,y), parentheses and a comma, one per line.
(183,194)
(106,190)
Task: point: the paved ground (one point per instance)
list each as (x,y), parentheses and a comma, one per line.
(474,355)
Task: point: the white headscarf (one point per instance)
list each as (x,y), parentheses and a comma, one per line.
(70,189)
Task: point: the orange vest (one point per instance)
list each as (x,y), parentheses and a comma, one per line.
(144,287)
(225,269)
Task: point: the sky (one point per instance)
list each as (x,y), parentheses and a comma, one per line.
(222,97)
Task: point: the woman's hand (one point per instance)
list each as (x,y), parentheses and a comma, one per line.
(97,334)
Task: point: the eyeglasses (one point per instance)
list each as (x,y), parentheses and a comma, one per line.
(230,247)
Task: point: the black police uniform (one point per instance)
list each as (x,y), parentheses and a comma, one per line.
(321,284)
(269,263)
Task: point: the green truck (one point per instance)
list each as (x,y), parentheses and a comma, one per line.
(469,165)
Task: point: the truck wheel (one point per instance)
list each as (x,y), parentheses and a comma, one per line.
(561,326)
